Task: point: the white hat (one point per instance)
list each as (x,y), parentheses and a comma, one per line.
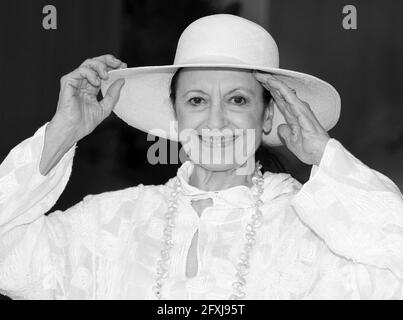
(220,40)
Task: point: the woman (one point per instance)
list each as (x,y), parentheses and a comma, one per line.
(214,231)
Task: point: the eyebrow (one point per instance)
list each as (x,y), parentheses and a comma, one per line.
(244,89)
(233,90)
(193,90)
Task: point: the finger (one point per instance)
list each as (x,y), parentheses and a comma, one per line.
(288,134)
(284,132)
(296,107)
(263,78)
(84,73)
(98,66)
(282,105)
(299,108)
(110,61)
(112,95)
(280,90)
(277,84)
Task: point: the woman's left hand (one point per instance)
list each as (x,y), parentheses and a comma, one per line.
(303,135)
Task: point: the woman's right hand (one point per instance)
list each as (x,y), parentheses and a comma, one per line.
(78,110)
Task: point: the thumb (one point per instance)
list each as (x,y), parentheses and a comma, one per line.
(112,95)
(284,132)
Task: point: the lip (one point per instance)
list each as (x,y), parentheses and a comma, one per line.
(218,141)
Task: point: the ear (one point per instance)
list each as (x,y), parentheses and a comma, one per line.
(268,117)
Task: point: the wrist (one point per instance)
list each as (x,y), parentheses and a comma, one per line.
(58,140)
(58,131)
(321,150)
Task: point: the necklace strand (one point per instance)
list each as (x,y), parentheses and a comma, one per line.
(242,268)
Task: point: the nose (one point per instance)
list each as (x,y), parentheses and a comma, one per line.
(216,117)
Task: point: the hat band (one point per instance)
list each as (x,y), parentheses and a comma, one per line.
(208,60)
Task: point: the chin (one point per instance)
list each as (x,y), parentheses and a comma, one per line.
(219,167)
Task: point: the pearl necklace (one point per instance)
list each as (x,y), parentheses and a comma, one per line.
(250,237)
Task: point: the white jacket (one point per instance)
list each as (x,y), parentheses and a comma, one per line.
(339,236)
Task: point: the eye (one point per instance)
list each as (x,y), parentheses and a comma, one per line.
(238,100)
(196,101)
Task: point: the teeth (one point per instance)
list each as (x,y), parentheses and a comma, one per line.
(217,140)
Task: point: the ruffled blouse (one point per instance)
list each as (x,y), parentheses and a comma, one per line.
(338,236)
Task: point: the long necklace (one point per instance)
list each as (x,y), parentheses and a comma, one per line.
(242,267)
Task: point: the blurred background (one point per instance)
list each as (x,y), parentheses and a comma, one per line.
(364,65)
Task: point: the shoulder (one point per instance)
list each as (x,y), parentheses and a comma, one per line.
(131,194)
(132,202)
(279,191)
(280,185)
(112,211)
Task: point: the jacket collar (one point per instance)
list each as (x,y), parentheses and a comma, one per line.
(239,196)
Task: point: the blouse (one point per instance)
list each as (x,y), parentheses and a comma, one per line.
(338,236)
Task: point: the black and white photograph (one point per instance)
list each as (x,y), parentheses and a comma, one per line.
(202,150)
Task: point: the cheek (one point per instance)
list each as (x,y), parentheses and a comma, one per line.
(188,120)
(248,120)
(254,121)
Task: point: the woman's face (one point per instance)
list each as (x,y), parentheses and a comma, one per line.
(221,114)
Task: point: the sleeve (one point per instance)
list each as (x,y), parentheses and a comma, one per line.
(25,197)
(357,211)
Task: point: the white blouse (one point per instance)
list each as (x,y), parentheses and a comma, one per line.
(339,236)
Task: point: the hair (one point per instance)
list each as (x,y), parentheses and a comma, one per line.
(269,160)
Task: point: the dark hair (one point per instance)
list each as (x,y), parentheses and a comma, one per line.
(268,159)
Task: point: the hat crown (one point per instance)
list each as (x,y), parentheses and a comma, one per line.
(226,38)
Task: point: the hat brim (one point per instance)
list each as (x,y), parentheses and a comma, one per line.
(144,101)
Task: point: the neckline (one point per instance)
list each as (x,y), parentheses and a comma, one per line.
(275,185)
(186,169)
(237,196)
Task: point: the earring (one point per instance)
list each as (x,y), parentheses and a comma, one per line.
(266,132)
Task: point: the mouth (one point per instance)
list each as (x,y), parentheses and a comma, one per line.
(218,141)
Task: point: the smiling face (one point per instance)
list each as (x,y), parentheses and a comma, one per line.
(221,113)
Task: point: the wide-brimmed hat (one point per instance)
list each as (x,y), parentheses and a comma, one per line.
(221,40)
